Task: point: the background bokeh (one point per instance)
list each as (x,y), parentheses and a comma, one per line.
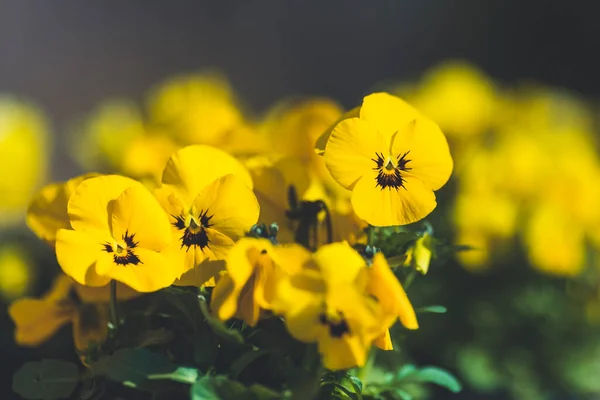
(510,332)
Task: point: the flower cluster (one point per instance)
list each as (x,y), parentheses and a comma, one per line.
(185,196)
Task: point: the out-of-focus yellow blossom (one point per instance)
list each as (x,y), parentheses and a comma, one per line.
(248,286)
(119,232)
(555,243)
(16,272)
(385,287)
(493,213)
(146,156)
(208,195)
(197,108)
(392,158)
(459,97)
(47,211)
(477,258)
(24,157)
(36,320)
(419,254)
(324,299)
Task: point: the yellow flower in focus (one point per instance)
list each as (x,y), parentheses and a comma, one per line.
(16,272)
(460,98)
(47,211)
(119,232)
(385,287)
(247,288)
(392,159)
(208,195)
(325,300)
(555,243)
(23,149)
(36,320)
(198,109)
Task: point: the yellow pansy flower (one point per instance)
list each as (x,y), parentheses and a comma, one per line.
(392,158)
(208,196)
(36,320)
(119,232)
(47,211)
(247,287)
(23,156)
(324,299)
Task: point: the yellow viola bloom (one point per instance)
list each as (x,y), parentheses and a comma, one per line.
(419,254)
(146,156)
(392,158)
(324,299)
(119,232)
(197,109)
(47,211)
(23,157)
(36,320)
(208,196)
(247,287)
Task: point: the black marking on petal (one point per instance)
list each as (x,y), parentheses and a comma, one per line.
(128,258)
(128,239)
(179,222)
(194,234)
(124,256)
(389,176)
(337,329)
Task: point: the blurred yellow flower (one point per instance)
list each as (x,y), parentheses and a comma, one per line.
(197,109)
(391,158)
(16,272)
(36,320)
(248,286)
(24,148)
(459,97)
(324,299)
(146,156)
(47,211)
(208,195)
(119,232)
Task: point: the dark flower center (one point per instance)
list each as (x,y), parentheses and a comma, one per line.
(337,327)
(388,174)
(194,233)
(124,255)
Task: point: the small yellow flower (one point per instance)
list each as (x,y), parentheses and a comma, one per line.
(392,158)
(208,196)
(419,254)
(247,288)
(119,232)
(47,211)
(36,320)
(324,300)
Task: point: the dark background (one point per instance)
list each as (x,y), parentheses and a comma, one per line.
(67,56)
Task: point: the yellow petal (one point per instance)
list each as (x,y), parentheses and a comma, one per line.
(384,342)
(224,298)
(339,262)
(387,113)
(136,212)
(194,167)
(303,322)
(388,206)
(201,274)
(88,207)
(219,243)
(343,353)
(77,254)
(37,320)
(384,285)
(89,294)
(428,151)
(351,147)
(154,272)
(231,204)
(324,137)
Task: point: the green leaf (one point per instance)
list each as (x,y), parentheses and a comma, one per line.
(181,374)
(133,366)
(438,376)
(217,326)
(403,394)
(217,388)
(437,309)
(245,360)
(406,370)
(46,380)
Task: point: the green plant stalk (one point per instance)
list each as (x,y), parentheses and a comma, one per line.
(114,312)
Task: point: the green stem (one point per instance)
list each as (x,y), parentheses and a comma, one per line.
(114,312)
(371,235)
(409,279)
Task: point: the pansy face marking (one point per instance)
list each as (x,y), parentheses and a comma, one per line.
(337,326)
(194,229)
(123,252)
(389,172)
